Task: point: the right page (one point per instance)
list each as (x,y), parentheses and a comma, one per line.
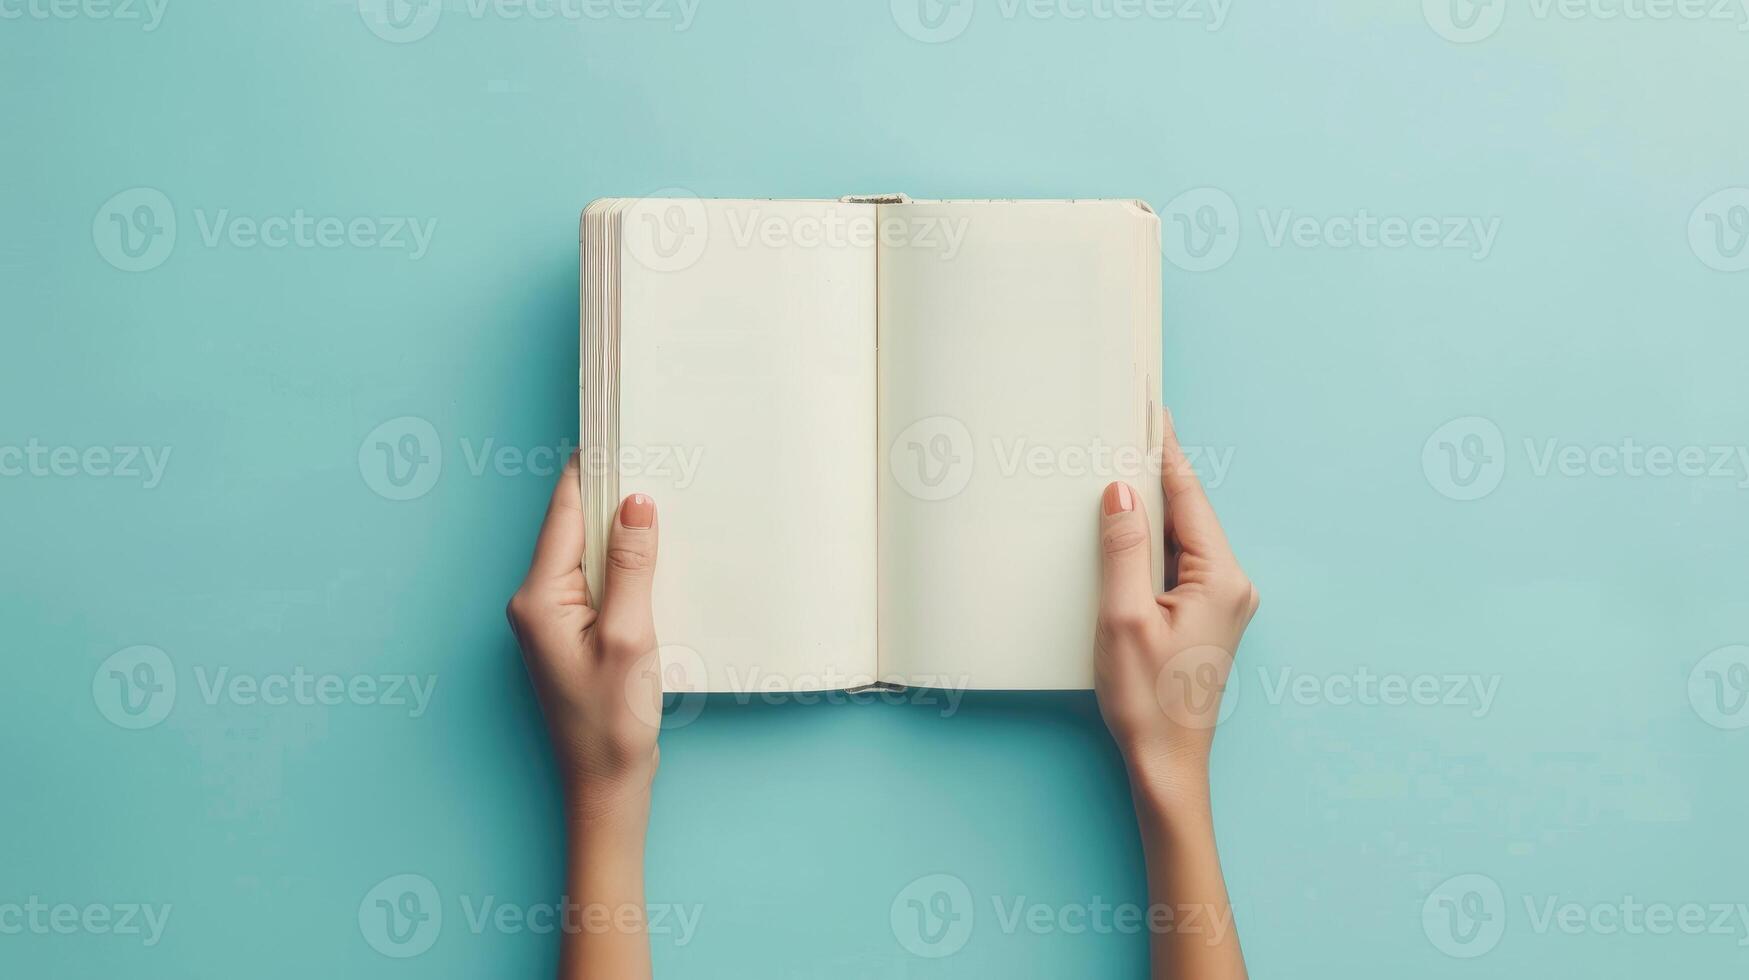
(1019,373)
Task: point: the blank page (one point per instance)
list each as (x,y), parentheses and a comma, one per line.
(1019,373)
(747,410)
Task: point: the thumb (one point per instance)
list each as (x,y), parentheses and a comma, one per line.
(1126,555)
(631,566)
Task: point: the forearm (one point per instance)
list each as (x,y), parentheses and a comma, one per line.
(1192,933)
(606,933)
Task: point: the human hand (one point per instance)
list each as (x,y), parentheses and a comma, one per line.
(1162,659)
(595,673)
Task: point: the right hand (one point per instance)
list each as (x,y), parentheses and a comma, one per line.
(1163,659)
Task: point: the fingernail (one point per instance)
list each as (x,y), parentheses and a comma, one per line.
(637,512)
(1119,498)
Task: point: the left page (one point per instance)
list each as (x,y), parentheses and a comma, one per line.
(746,409)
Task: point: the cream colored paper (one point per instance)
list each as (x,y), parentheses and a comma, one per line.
(1009,370)
(831,515)
(755,360)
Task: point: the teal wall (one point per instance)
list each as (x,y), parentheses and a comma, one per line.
(1429,475)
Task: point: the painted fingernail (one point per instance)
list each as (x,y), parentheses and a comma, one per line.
(1119,498)
(638,512)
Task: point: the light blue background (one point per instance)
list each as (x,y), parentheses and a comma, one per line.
(1589,598)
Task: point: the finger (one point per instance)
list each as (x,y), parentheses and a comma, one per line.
(631,567)
(558,552)
(1125,554)
(1191,524)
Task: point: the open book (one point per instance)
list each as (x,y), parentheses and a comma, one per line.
(876,429)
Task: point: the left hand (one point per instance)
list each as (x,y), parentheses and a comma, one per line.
(596,674)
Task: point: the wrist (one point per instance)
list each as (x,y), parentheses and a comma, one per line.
(1168,786)
(613,804)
